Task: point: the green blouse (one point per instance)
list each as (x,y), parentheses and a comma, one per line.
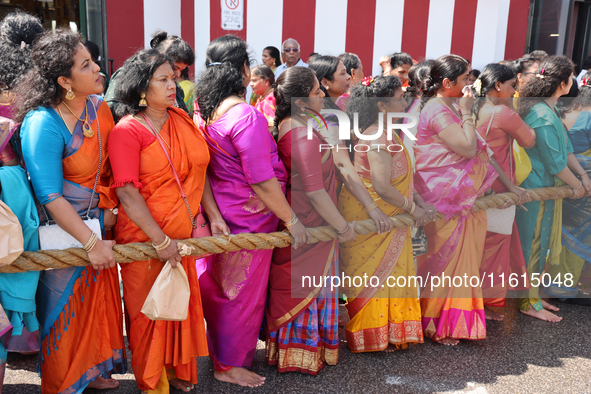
(549,155)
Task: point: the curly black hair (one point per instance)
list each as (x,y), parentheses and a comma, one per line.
(223,77)
(18,30)
(583,100)
(294,82)
(173,46)
(556,69)
(416,77)
(364,99)
(135,78)
(53,57)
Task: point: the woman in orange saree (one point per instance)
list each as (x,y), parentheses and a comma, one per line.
(452,170)
(64,142)
(388,315)
(163,352)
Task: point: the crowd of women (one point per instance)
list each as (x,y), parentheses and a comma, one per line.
(136,167)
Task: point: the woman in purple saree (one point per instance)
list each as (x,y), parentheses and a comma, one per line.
(248,181)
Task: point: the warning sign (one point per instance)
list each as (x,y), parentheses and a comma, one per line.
(232,14)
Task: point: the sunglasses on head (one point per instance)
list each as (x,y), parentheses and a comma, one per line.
(294,50)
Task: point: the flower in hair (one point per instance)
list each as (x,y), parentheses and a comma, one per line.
(367,81)
(584,82)
(477,85)
(541,74)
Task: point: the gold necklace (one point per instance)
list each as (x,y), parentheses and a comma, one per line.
(86,129)
(62,116)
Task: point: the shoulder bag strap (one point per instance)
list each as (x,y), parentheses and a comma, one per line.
(176,177)
(98,173)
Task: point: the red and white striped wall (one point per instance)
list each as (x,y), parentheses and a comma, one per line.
(483,31)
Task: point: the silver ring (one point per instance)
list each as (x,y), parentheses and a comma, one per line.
(381,222)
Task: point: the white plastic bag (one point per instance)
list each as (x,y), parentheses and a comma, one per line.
(169,297)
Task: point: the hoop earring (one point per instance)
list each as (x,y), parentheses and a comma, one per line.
(70,95)
(143,102)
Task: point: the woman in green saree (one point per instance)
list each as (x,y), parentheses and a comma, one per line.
(553,164)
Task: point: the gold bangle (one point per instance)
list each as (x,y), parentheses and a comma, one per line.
(163,245)
(405,206)
(91,242)
(345,232)
(294,220)
(413,207)
(464,121)
(371,207)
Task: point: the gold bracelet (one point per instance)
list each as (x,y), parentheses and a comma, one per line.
(371,207)
(466,120)
(294,220)
(163,245)
(345,232)
(412,209)
(405,206)
(91,242)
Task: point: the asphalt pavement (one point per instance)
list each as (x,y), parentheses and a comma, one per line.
(520,355)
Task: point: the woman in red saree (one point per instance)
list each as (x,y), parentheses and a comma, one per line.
(302,318)
(452,170)
(499,125)
(163,352)
(64,141)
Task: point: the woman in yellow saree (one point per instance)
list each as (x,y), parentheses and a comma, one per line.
(390,314)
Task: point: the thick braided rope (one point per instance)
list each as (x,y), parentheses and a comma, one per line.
(44,259)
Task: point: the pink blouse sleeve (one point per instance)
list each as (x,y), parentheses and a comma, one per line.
(513,125)
(306,159)
(440,118)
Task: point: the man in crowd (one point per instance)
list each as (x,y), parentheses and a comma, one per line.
(290,51)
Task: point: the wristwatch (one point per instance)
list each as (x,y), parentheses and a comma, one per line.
(114,211)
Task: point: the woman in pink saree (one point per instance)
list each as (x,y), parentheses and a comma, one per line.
(248,181)
(452,170)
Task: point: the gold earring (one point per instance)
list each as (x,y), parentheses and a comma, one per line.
(143,102)
(70,95)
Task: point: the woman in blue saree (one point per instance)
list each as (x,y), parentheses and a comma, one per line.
(64,134)
(575,256)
